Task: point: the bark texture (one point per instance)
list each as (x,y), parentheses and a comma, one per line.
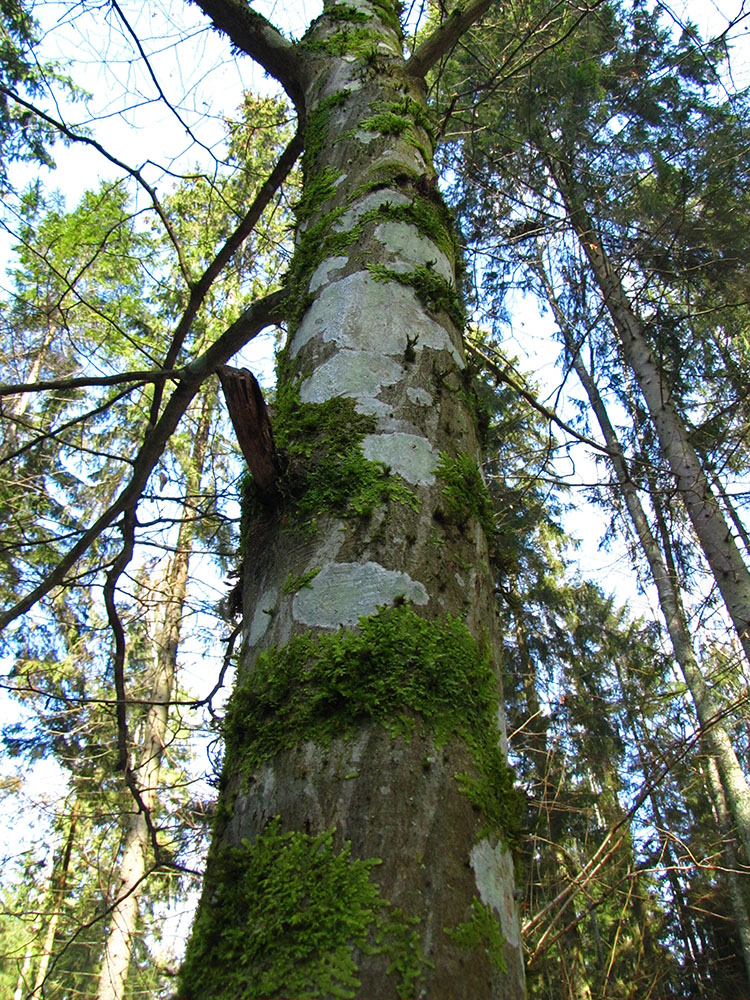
(364,733)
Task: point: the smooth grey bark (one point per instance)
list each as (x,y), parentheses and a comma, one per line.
(714,534)
(135,863)
(362,335)
(714,733)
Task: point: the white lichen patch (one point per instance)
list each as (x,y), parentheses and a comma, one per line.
(419,396)
(344,313)
(262,616)
(371,201)
(341,593)
(365,137)
(323,271)
(358,374)
(343,77)
(410,456)
(493,874)
(390,48)
(408,249)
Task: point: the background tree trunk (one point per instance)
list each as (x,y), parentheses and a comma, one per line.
(714,733)
(170,596)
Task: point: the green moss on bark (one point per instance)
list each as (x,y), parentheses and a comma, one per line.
(433,291)
(465,493)
(285,916)
(326,471)
(396,667)
(316,130)
(295,583)
(482,930)
(355,41)
(402,118)
(390,14)
(317,191)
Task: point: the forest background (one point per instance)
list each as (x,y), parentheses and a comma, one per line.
(632,864)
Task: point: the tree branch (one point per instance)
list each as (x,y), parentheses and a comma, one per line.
(531,399)
(200,289)
(254,35)
(256,317)
(140,378)
(445,36)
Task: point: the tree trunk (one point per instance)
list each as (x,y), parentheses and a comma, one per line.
(719,547)
(166,638)
(736,894)
(714,733)
(59,883)
(361,844)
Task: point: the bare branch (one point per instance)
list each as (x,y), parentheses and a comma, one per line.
(264,43)
(252,425)
(200,289)
(531,399)
(443,38)
(256,317)
(129,28)
(140,378)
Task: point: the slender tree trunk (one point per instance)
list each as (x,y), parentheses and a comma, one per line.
(23,976)
(714,534)
(134,865)
(16,406)
(545,854)
(714,733)
(690,944)
(737,896)
(365,807)
(59,883)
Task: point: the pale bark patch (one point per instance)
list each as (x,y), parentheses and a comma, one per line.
(357,374)
(371,201)
(493,872)
(342,593)
(411,250)
(323,271)
(419,396)
(406,157)
(410,456)
(345,311)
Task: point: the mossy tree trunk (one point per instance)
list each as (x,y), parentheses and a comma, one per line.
(366,810)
